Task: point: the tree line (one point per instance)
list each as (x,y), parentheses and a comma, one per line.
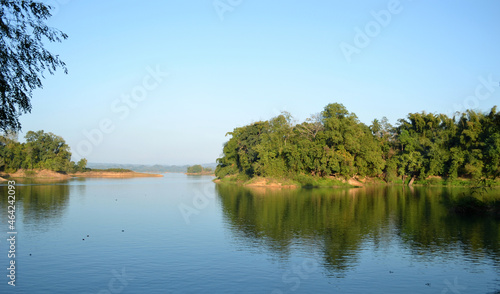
(334,143)
(41,151)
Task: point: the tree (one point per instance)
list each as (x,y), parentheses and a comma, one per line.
(81,165)
(23,58)
(46,150)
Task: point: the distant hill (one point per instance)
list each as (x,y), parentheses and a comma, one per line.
(157,168)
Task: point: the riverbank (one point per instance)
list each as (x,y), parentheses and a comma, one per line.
(37,174)
(111,174)
(303,181)
(201,174)
(259,182)
(48,174)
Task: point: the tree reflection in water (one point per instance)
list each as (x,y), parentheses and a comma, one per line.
(340,222)
(38,203)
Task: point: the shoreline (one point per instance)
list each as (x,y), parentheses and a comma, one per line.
(265,184)
(105,174)
(329,182)
(200,174)
(48,174)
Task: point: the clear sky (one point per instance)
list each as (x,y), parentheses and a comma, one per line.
(234,62)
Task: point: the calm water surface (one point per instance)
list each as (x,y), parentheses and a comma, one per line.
(184,234)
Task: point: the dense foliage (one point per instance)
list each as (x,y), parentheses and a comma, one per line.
(41,151)
(23,57)
(336,144)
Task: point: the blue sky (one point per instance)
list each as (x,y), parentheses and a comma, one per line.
(236,62)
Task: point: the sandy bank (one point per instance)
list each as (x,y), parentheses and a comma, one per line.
(106,174)
(200,174)
(48,174)
(262,183)
(38,174)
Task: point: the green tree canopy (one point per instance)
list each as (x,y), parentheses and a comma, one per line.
(23,57)
(335,143)
(41,151)
(195,169)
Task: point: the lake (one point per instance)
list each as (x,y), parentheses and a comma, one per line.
(185,234)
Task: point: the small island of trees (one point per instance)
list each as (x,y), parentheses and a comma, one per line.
(334,146)
(199,170)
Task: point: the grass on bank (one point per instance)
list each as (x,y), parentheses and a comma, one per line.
(310,181)
(303,181)
(459,182)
